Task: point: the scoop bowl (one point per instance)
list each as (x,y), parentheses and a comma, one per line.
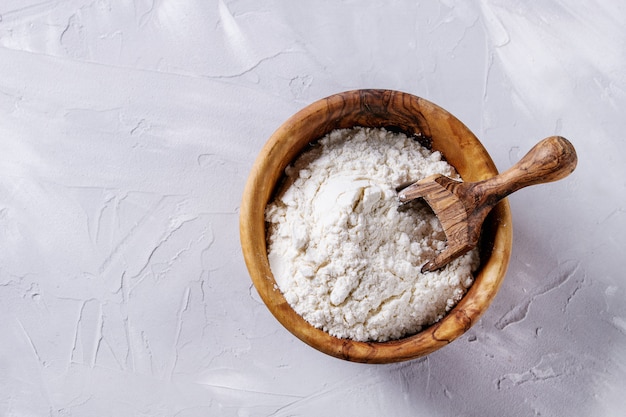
(436,129)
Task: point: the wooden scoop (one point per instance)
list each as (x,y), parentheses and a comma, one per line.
(462,207)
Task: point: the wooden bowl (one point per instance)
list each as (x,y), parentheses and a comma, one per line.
(413,116)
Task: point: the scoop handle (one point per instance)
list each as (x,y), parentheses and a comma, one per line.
(551,159)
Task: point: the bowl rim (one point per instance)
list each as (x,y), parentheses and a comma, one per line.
(252,225)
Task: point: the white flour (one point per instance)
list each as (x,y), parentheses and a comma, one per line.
(343,255)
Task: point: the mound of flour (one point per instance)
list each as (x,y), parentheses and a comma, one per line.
(345,258)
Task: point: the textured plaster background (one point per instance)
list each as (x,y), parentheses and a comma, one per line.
(127,130)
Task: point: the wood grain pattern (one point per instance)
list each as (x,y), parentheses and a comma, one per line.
(432,126)
(462,207)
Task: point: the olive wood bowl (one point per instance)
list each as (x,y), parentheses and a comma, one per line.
(432,126)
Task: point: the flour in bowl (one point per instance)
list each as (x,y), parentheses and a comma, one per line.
(345,258)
